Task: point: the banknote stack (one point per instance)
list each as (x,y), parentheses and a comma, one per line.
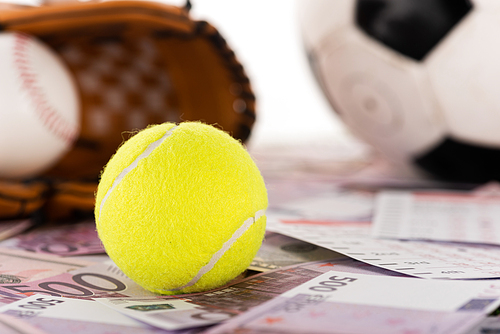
(58,279)
(339,256)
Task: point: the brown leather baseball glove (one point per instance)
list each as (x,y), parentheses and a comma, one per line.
(135,63)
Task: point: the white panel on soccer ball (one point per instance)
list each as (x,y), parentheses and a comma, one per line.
(318,18)
(382,96)
(485,4)
(465,74)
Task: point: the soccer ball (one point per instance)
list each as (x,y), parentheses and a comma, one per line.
(417,79)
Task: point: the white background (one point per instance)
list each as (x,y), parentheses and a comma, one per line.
(266,38)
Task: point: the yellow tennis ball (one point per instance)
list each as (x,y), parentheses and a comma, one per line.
(181,208)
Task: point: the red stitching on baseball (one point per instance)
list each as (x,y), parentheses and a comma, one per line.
(47,114)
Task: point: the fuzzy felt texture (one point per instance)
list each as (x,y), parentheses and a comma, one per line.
(166,218)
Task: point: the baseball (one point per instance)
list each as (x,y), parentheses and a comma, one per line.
(39,106)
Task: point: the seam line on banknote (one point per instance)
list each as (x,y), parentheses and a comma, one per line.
(44,260)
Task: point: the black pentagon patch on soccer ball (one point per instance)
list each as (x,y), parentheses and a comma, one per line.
(410,27)
(459,161)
